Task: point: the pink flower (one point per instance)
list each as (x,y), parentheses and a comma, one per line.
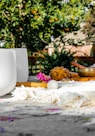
(42,77)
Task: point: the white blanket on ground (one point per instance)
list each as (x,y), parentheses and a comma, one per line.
(69,94)
(72,98)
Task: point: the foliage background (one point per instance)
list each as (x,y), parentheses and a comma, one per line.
(35,23)
(89,27)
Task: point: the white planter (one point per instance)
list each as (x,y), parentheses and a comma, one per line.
(21,64)
(7,71)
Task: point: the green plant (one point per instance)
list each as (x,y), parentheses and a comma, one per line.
(57,58)
(34,22)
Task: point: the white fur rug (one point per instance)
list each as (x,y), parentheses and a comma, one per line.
(73,97)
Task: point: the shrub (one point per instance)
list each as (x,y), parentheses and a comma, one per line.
(57,58)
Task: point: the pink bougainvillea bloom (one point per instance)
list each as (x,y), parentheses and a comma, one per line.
(42,77)
(47,78)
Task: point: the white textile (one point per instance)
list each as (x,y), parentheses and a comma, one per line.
(69,94)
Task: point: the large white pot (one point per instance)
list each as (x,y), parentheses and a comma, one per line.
(7,71)
(21,64)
